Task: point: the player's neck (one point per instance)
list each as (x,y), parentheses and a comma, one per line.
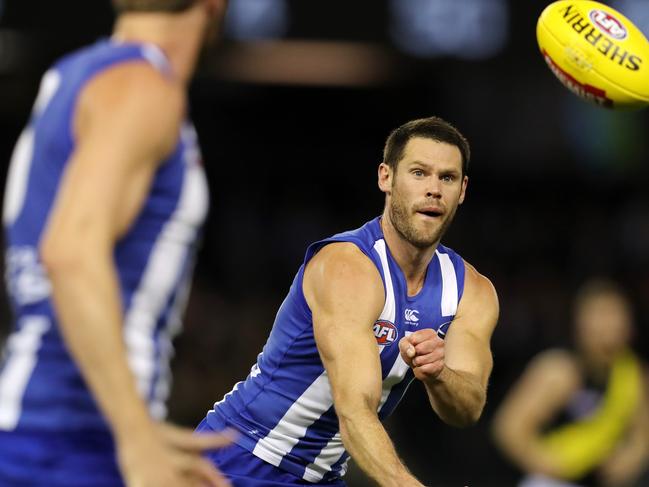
(412,260)
(180,36)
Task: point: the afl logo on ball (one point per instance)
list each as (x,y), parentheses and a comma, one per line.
(385,332)
(608,24)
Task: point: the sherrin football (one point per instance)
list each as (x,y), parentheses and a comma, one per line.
(595,52)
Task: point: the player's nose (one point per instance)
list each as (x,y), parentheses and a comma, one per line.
(433,188)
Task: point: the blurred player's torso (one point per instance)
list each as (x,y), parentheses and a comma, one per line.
(41,388)
(284,409)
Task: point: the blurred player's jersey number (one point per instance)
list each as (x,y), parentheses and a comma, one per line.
(26,278)
(385,332)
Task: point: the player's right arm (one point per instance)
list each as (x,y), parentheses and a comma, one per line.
(126,121)
(543,390)
(345,294)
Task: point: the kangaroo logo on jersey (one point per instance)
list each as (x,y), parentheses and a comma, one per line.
(411,317)
(385,332)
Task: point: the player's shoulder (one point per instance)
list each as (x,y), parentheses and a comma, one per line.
(340,276)
(135,82)
(342,258)
(478,287)
(364,237)
(133,97)
(555,366)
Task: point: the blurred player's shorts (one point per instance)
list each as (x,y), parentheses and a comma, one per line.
(244,469)
(58,460)
(541,481)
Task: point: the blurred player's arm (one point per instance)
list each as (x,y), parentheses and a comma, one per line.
(631,457)
(542,391)
(127,120)
(345,294)
(456,370)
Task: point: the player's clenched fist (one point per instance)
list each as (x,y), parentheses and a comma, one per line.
(423,350)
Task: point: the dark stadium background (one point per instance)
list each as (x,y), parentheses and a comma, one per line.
(292,109)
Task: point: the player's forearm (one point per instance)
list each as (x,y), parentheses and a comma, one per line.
(368,443)
(458,398)
(522,445)
(86,298)
(630,458)
(530,457)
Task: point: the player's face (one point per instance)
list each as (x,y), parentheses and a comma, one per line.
(424,191)
(603,327)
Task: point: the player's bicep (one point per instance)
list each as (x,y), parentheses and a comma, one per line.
(468,339)
(125,123)
(345,294)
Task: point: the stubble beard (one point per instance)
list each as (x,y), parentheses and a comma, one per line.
(401,218)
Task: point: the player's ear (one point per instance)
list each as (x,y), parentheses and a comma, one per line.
(385,177)
(465,182)
(215,8)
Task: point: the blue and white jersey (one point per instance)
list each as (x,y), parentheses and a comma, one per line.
(41,388)
(284,409)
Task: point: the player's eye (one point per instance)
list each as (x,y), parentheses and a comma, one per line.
(418,173)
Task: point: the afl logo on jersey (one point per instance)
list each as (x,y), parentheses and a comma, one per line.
(385,332)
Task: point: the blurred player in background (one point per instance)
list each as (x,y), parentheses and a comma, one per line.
(369,310)
(581,417)
(103,206)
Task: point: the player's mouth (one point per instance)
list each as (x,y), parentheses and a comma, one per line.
(431,212)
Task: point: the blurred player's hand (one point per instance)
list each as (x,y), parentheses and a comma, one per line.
(619,470)
(171,458)
(423,351)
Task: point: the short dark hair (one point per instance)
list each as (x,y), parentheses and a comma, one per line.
(433,128)
(122,6)
(596,288)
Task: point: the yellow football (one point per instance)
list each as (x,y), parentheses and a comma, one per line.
(596,52)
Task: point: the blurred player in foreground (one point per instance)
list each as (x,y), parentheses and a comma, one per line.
(582,417)
(103,206)
(368,311)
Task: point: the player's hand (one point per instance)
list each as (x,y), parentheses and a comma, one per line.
(617,470)
(171,457)
(423,351)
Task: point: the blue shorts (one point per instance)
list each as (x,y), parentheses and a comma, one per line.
(58,460)
(244,469)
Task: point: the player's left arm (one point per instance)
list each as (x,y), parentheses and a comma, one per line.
(631,456)
(456,370)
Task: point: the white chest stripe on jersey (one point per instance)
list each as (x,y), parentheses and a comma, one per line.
(394,377)
(389,309)
(449,285)
(21,159)
(160,277)
(162,388)
(292,427)
(330,454)
(22,348)
(156,57)
(335,449)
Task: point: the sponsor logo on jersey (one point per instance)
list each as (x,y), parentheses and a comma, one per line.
(385,332)
(411,316)
(608,24)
